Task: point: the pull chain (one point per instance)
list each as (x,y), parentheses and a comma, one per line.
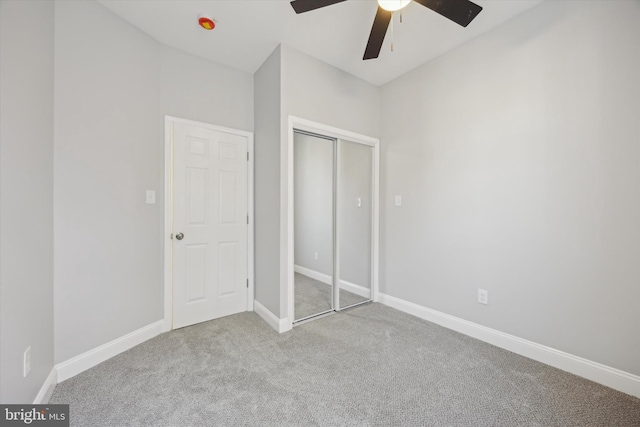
(392,32)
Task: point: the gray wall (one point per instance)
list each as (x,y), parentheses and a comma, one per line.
(267,183)
(517,156)
(108,151)
(26,196)
(315,90)
(313,203)
(114,84)
(201,90)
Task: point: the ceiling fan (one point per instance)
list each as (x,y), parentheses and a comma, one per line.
(461,12)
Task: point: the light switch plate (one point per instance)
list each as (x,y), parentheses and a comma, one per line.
(151,197)
(398,201)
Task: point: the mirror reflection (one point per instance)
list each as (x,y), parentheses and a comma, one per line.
(313,224)
(354,220)
(333,224)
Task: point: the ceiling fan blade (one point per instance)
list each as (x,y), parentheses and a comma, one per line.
(461,12)
(378,31)
(301,6)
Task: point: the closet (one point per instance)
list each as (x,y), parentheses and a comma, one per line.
(333,189)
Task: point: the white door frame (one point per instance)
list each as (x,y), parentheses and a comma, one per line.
(168,219)
(287,252)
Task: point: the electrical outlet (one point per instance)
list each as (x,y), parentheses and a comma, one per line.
(26,362)
(483,296)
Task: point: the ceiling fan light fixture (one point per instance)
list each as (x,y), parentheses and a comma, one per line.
(393,5)
(462,12)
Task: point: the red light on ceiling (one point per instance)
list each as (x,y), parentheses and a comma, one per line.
(206,23)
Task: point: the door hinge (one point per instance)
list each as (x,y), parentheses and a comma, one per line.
(247,283)
(247,156)
(247,219)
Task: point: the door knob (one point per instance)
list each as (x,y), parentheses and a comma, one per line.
(179,236)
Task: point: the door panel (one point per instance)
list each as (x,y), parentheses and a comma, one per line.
(354,215)
(210,209)
(196,196)
(227,200)
(313,225)
(196,273)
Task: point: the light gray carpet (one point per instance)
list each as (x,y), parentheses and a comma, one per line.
(369,366)
(313,297)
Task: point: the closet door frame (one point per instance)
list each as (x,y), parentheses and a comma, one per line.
(286,219)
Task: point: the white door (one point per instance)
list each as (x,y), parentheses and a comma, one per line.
(209,224)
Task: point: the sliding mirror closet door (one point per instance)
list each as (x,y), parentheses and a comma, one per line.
(313,224)
(354,215)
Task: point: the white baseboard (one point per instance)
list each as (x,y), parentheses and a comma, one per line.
(280,325)
(355,289)
(320,277)
(47,388)
(597,372)
(91,358)
(327,280)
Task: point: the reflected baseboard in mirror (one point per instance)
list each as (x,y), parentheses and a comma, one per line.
(313,296)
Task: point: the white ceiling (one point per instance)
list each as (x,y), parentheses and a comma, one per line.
(247,31)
